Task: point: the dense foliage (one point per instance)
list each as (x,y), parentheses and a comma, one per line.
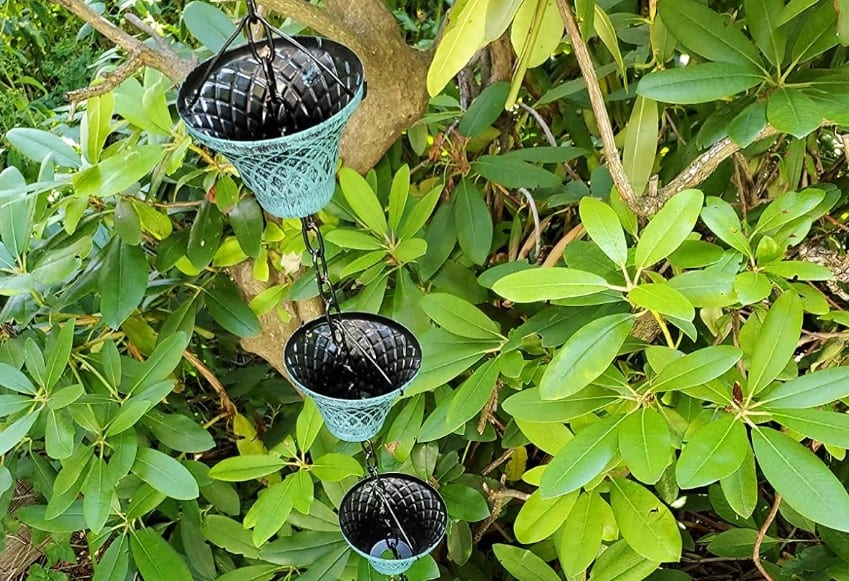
(604,394)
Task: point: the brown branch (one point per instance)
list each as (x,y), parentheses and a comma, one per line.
(557,252)
(611,153)
(756,550)
(227,405)
(110,80)
(320,20)
(162,59)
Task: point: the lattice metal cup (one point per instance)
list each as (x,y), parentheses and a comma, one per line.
(351,389)
(286,152)
(372,532)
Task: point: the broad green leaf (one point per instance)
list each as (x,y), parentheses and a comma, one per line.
(607,34)
(335,467)
(792,112)
(161,363)
(763,21)
(12,403)
(459,316)
(668,228)
(738,543)
(123,281)
(363,201)
(585,356)
(398,194)
(582,459)
(473,393)
(713,451)
(801,478)
(740,488)
(707,34)
(250,573)
(621,563)
(640,142)
(603,226)
(229,535)
(178,432)
(523,564)
(550,437)
(793,9)
(699,83)
(811,390)
(474,223)
(156,559)
(37,144)
(58,352)
(445,356)
(545,284)
(205,235)
(353,239)
(696,368)
(330,566)
(96,126)
(817,35)
(663,299)
(115,561)
(464,502)
(645,522)
(12,378)
(788,207)
(720,217)
(69,521)
(165,474)
(529,406)
(247,223)
(97,491)
(243,468)
(415,219)
(645,443)
(68,482)
(308,425)
(799,270)
(747,125)
(13,433)
(751,287)
(484,110)
(269,512)
(539,518)
(117,173)
(130,413)
(209,25)
(127,223)
(580,536)
(830,428)
(535,34)
(303,548)
(464,35)
(776,342)
(511,172)
(225,304)
(58,434)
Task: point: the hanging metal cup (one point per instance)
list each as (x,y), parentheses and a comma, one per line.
(392,520)
(283,141)
(354,366)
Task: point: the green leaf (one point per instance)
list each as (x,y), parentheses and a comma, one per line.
(123,281)
(69,521)
(646,444)
(714,451)
(129,414)
(270,512)
(205,235)
(640,142)
(763,21)
(243,468)
(308,425)
(751,287)
(696,368)
(747,125)
(98,492)
(699,83)
(115,561)
(621,563)
(302,549)
(445,356)
(706,33)
(165,357)
(663,299)
(817,34)
(250,573)
(156,559)
(458,316)
(585,356)
(363,201)
(776,342)
(13,433)
(811,390)
(353,239)
(335,467)
(792,112)
(645,522)
(799,270)
(117,173)
(582,459)
(12,403)
(416,218)
(178,432)
(165,474)
(539,518)
(464,35)
(740,488)
(738,543)
(229,535)
(398,195)
(511,172)
(528,405)
(330,566)
(801,478)
(603,226)
(668,228)
(247,223)
(474,223)
(96,126)
(13,379)
(545,284)
(523,564)
(226,306)
(830,428)
(127,223)
(37,144)
(57,354)
(788,207)
(720,217)
(473,393)
(209,25)
(464,503)
(607,34)
(485,109)
(58,434)
(577,551)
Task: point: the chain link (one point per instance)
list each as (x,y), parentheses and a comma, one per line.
(326,291)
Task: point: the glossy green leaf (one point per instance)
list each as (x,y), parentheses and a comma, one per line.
(473,393)
(57,353)
(115,561)
(713,451)
(178,432)
(751,287)
(473,221)
(740,488)
(585,356)
(308,425)
(229,535)
(817,35)
(792,112)
(699,83)
(464,503)
(523,564)
(37,144)
(334,467)
(640,142)
(831,428)
(13,433)
(799,270)
(645,522)
(123,281)
(801,478)
(646,444)
(811,390)
(117,173)
(603,226)
(464,35)
(720,217)
(485,109)
(363,201)
(209,25)
(529,406)
(663,299)
(748,124)
(668,228)
(270,512)
(788,207)
(763,20)
(398,195)
(225,304)
(696,368)
(621,563)
(415,219)
(539,518)
(582,459)
(511,172)
(242,468)
(58,434)
(776,342)
(543,284)
(580,537)
(738,543)
(247,223)
(205,235)
(156,559)
(250,573)
(165,474)
(12,378)
(458,316)
(98,491)
(161,363)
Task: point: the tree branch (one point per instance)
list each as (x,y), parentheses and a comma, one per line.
(162,59)
(320,20)
(611,153)
(756,550)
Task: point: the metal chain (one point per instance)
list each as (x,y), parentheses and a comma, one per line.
(315,248)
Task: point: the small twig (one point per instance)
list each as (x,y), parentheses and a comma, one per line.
(837,223)
(557,252)
(111,80)
(756,550)
(144,27)
(227,405)
(535,213)
(498,461)
(611,153)
(526,247)
(549,136)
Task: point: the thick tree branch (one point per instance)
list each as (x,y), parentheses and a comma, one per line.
(611,153)
(318,19)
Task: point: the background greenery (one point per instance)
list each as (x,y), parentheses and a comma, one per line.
(607,393)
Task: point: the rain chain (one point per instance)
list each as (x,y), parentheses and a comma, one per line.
(276,107)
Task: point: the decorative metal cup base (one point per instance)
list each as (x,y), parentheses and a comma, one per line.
(286,150)
(372,532)
(353,383)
